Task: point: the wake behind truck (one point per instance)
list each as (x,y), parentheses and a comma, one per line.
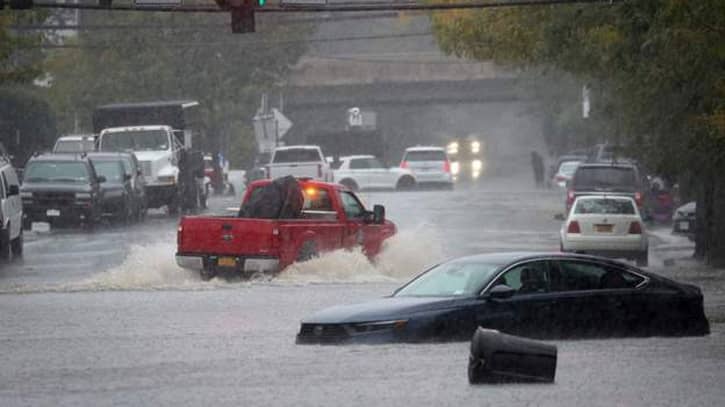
(160,134)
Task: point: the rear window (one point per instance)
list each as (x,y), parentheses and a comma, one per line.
(296,155)
(74,146)
(432,155)
(605,178)
(568,167)
(604,207)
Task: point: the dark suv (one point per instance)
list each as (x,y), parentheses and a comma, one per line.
(606,178)
(61,187)
(124,197)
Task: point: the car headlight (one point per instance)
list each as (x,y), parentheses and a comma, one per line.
(452,148)
(367,327)
(475,147)
(83,195)
(476,165)
(455,167)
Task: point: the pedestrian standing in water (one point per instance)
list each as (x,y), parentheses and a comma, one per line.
(537,164)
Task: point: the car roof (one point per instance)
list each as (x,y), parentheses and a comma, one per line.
(60,157)
(109,155)
(136,128)
(308,147)
(76,137)
(507,258)
(605,196)
(425,148)
(353,157)
(608,165)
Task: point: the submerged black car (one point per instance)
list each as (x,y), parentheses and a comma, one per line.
(550,295)
(60,188)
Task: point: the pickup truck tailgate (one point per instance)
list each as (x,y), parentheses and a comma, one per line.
(228,236)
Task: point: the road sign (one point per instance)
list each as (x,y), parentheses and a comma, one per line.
(283,123)
(354,117)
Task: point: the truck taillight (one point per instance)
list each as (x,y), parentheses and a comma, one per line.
(573,227)
(179,231)
(638,198)
(446,166)
(403,164)
(635,228)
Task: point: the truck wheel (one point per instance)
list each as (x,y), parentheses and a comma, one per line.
(405,183)
(352,185)
(308,251)
(16,245)
(642,259)
(6,253)
(207,274)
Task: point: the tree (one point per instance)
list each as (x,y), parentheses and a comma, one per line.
(658,66)
(173,56)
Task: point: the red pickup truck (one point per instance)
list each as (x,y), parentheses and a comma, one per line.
(332,217)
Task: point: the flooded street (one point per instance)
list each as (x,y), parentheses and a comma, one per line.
(127,326)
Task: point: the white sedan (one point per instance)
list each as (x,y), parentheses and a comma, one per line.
(606,225)
(367,172)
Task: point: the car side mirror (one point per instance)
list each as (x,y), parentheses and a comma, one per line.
(13,190)
(501,292)
(101,179)
(378,214)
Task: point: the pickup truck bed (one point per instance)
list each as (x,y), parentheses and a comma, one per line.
(214,244)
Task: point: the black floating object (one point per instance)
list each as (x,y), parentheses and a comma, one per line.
(500,358)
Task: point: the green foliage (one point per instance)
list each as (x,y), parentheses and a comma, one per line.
(27,123)
(173,56)
(20,58)
(657,65)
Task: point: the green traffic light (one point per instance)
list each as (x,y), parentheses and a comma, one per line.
(261,3)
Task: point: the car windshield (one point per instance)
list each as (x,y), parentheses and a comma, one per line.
(453,279)
(112,170)
(605,178)
(425,155)
(604,206)
(141,140)
(56,171)
(74,146)
(296,155)
(567,168)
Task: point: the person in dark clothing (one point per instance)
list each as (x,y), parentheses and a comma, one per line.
(537,163)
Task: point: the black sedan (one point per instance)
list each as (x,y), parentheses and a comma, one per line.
(549,295)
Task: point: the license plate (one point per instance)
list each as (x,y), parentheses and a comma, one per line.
(52,212)
(684,225)
(226,262)
(603,228)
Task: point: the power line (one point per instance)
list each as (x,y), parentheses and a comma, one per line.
(330,8)
(242,42)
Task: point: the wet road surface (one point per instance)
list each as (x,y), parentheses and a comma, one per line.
(108,319)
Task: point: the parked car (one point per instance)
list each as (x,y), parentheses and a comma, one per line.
(300,162)
(683,220)
(541,295)
(367,172)
(564,173)
(331,217)
(606,225)
(610,178)
(122,200)
(429,165)
(11,212)
(75,143)
(61,188)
